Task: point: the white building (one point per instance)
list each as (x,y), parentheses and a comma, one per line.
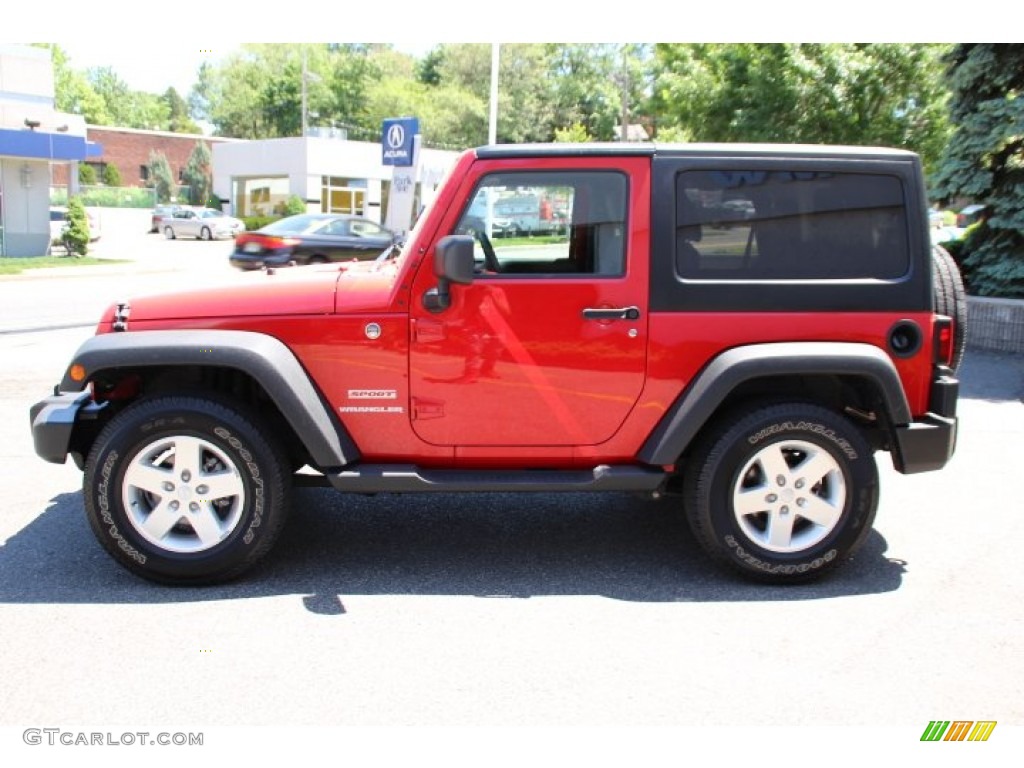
(33,138)
(331,175)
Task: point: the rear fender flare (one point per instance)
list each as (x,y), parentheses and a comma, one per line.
(705,394)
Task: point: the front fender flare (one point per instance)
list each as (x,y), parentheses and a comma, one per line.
(266,359)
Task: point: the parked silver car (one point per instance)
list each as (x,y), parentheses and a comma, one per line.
(201,223)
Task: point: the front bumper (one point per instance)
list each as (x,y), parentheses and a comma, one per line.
(53,422)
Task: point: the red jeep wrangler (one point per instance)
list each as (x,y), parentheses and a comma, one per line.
(743,325)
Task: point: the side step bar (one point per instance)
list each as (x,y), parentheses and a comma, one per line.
(409,478)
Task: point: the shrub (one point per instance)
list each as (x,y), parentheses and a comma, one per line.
(76,235)
(111,175)
(256,222)
(293,206)
(86,174)
(115,197)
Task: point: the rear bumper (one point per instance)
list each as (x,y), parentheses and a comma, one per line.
(928,443)
(260,260)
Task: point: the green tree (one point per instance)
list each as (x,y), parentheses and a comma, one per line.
(878,93)
(76,234)
(198,173)
(575,133)
(126,107)
(526,94)
(984,161)
(72,91)
(586,90)
(179,120)
(428,69)
(160,176)
(229,96)
(111,175)
(450,116)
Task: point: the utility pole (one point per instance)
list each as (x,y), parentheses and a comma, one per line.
(492,128)
(305,103)
(624,81)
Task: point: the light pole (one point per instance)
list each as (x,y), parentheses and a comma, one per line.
(492,128)
(307,76)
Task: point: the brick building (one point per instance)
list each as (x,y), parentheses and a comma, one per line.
(128,149)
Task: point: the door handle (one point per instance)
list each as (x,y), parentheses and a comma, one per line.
(612,313)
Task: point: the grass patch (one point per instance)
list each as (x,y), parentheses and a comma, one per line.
(536,240)
(14,265)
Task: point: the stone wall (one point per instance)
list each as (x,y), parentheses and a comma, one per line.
(995,324)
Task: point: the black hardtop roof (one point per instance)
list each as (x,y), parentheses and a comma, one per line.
(651,149)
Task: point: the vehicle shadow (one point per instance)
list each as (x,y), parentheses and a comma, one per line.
(991,376)
(619,546)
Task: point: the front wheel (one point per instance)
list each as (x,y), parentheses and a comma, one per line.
(169,233)
(205,234)
(782,493)
(184,490)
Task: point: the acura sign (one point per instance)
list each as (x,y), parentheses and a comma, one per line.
(397,142)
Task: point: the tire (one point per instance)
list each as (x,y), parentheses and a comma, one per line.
(317,260)
(205,234)
(147,507)
(169,233)
(750,500)
(950,298)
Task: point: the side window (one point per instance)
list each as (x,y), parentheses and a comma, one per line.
(338,227)
(549,223)
(366,229)
(779,225)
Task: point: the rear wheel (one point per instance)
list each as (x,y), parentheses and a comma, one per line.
(950,298)
(185,490)
(782,493)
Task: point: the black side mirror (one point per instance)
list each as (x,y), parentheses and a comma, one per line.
(453,263)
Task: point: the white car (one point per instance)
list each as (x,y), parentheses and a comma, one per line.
(201,223)
(59,219)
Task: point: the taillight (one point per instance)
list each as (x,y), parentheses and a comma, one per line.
(266,242)
(943,345)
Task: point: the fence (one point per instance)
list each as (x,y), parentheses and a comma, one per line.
(100,196)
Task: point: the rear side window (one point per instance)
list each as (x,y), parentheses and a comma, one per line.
(785,225)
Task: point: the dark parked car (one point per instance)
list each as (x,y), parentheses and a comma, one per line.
(311,238)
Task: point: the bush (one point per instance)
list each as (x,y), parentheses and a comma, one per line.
(111,175)
(110,197)
(86,174)
(253,223)
(292,207)
(76,234)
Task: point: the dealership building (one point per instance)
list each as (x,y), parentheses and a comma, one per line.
(329,173)
(35,139)
(41,149)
